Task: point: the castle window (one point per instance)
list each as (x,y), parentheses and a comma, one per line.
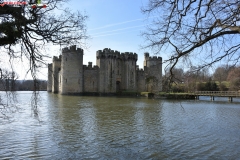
(78,81)
(66,59)
(93,84)
(66,80)
(118,72)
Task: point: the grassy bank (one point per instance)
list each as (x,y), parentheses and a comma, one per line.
(172,95)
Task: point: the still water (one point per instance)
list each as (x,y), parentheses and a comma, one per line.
(74,127)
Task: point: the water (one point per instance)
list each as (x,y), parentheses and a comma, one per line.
(74,127)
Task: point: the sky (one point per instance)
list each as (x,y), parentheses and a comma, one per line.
(115,24)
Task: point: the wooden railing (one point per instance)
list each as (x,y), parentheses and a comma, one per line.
(217,93)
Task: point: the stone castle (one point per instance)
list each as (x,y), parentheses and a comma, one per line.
(114,72)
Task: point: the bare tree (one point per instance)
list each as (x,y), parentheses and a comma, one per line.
(221,72)
(234,78)
(206,30)
(32,28)
(25,31)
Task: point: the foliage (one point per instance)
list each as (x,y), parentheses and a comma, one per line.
(208,86)
(211,86)
(222,87)
(221,72)
(234,78)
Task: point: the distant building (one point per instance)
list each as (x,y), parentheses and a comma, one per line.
(114,72)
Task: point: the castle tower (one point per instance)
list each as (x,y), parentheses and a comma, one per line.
(71,78)
(49,83)
(153,73)
(107,63)
(56,67)
(129,71)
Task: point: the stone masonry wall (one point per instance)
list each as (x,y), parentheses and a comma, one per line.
(90,80)
(114,72)
(153,70)
(72,70)
(140,80)
(56,67)
(49,82)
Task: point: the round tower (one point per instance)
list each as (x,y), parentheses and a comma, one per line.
(71,78)
(129,71)
(107,63)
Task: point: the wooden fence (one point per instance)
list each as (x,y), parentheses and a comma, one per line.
(217,93)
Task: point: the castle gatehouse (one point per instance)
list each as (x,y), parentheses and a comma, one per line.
(114,72)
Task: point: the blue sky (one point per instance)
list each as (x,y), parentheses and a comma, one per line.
(115,24)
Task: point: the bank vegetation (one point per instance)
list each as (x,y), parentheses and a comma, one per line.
(224,78)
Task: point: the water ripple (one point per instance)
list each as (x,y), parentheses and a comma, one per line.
(75,127)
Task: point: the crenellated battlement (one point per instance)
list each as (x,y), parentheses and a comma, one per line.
(140,70)
(72,49)
(85,67)
(129,55)
(108,53)
(155,58)
(114,72)
(55,58)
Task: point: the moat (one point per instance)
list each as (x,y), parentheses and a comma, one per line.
(85,127)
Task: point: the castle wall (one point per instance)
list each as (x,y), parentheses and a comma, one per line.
(107,62)
(90,80)
(49,82)
(128,71)
(123,73)
(140,80)
(56,67)
(72,71)
(119,75)
(101,62)
(114,72)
